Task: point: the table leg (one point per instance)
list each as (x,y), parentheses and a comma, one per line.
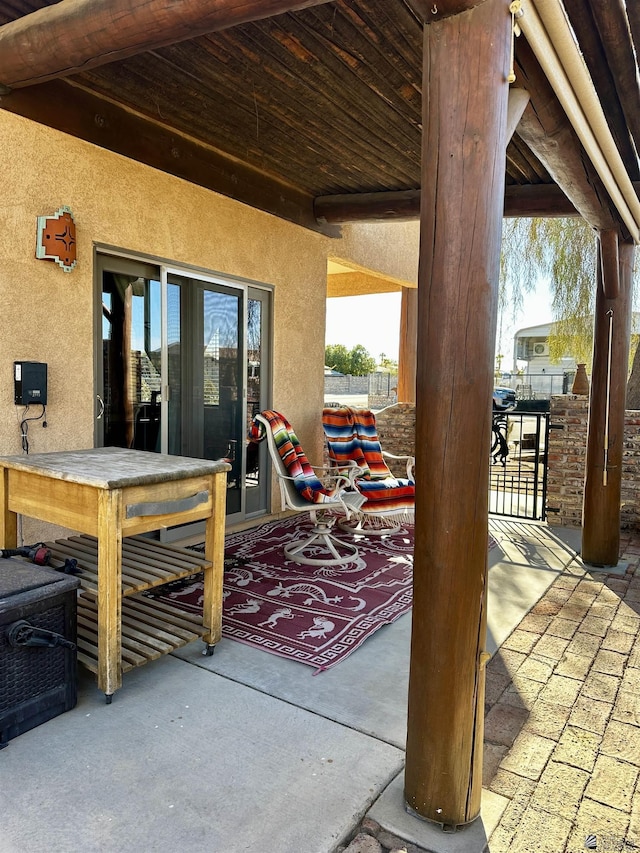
(109,591)
(8,520)
(214,552)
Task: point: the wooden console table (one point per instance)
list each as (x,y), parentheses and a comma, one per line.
(109,494)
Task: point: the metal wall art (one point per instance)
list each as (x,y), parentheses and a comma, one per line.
(56,240)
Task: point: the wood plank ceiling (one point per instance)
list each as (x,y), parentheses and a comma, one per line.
(325,101)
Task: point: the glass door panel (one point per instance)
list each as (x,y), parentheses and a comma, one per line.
(206,375)
(257,462)
(131,379)
(174,369)
(221,373)
(184,368)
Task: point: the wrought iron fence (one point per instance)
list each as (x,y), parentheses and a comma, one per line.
(518,476)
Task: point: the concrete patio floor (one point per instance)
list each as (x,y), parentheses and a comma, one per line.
(246,751)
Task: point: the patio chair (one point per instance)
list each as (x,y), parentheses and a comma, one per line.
(352,440)
(302,490)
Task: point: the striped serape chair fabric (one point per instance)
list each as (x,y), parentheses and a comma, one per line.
(292,455)
(352,440)
(302,490)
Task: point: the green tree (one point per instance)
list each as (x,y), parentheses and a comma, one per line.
(356,361)
(564,251)
(336,356)
(387,363)
(362,363)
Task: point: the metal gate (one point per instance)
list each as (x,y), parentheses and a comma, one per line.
(518,474)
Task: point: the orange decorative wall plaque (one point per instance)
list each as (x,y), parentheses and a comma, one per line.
(57,239)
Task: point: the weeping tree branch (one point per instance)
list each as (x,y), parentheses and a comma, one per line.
(562,251)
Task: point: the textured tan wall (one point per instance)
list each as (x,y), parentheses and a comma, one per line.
(389,249)
(47,315)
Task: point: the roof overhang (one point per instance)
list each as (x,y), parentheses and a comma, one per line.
(312,110)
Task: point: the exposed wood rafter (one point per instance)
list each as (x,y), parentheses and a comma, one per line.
(95,32)
(527,201)
(612,67)
(72,110)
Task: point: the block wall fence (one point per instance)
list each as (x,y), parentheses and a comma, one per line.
(566,461)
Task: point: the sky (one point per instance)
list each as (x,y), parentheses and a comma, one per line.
(374,322)
(536,310)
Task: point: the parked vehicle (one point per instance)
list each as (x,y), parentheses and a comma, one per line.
(504,399)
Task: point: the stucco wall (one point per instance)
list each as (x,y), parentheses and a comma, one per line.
(389,248)
(47,314)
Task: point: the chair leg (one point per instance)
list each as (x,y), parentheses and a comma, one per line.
(322,538)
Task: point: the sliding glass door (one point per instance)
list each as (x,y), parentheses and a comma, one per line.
(184,369)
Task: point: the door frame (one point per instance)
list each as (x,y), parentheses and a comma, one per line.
(116,260)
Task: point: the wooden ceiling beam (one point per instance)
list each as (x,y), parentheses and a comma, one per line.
(613,26)
(70,109)
(75,35)
(537,200)
(544,201)
(368,207)
(633,14)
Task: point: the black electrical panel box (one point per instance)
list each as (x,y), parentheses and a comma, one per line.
(30,382)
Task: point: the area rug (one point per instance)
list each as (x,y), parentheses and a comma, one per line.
(314,615)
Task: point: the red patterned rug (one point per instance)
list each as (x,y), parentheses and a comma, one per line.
(315,615)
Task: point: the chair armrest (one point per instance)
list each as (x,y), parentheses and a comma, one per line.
(340,480)
(325,472)
(410,460)
(348,463)
(349,469)
(350,501)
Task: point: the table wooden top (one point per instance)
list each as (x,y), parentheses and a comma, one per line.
(113,467)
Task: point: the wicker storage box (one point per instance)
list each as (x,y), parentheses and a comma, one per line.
(38,660)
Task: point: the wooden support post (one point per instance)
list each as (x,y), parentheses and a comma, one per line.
(408,344)
(110,512)
(466,61)
(605,438)
(610,263)
(214,553)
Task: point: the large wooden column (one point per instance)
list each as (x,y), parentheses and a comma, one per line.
(605,438)
(408,345)
(466,61)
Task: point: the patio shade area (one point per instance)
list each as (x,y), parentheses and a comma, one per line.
(313,110)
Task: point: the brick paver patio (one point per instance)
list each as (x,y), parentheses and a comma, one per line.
(562,722)
(562,728)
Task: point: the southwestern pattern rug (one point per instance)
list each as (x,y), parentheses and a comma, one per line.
(316,615)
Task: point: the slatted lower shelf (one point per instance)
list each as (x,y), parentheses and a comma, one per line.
(150,629)
(145,562)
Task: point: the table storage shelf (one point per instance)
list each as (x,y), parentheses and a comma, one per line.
(145,563)
(149,629)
